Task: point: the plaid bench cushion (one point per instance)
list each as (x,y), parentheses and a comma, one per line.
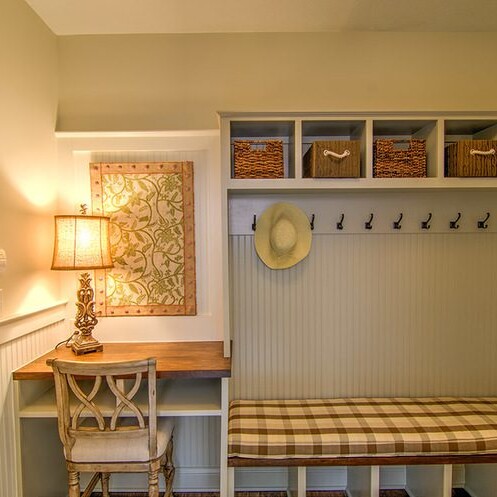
(327,428)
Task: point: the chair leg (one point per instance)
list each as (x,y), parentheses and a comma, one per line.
(169,469)
(153,482)
(97,477)
(105,484)
(74,489)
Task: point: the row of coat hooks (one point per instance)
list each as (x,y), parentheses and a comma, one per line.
(482,224)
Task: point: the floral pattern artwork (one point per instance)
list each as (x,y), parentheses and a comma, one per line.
(152,238)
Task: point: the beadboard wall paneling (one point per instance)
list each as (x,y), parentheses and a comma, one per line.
(365,315)
(197,442)
(13,355)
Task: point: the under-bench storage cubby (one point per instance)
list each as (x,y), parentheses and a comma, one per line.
(429,480)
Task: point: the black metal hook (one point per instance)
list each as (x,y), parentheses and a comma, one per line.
(396,224)
(340,223)
(483,224)
(368,224)
(312,221)
(254,223)
(453,224)
(425,225)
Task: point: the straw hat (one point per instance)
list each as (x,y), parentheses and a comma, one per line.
(282,236)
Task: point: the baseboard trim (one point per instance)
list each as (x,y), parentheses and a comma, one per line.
(185,480)
(258,479)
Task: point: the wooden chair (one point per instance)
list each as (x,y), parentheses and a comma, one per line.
(102,428)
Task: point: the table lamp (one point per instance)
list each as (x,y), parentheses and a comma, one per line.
(82,243)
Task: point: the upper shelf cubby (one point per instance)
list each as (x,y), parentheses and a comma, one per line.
(259,132)
(297,133)
(470,148)
(409,129)
(336,130)
(470,129)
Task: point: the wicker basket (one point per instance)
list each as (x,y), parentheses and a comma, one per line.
(333,159)
(258,159)
(399,159)
(471,158)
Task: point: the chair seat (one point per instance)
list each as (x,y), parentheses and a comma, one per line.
(109,450)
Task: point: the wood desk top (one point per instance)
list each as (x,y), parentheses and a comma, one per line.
(174,359)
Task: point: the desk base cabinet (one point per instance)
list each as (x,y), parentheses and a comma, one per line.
(196,457)
(192,388)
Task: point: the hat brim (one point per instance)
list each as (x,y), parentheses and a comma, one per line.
(262,240)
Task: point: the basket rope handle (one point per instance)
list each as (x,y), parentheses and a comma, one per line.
(346,153)
(482,152)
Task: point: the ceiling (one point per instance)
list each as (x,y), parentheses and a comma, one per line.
(70,17)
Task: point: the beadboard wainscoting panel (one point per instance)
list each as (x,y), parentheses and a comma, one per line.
(196,441)
(367,315)
(13,355)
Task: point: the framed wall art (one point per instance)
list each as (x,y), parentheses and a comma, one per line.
(151,210)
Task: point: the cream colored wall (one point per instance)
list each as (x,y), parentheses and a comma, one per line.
(28,160)
(28,196)
(180,81)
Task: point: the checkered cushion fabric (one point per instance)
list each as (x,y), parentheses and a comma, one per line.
(327,428)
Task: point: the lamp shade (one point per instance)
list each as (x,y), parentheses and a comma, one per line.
(81,242)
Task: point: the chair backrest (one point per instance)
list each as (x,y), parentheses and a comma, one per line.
(102,399)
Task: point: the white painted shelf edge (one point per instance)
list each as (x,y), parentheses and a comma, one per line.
(354,184)
(174,398)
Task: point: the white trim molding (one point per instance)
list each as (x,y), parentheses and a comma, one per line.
(18,325)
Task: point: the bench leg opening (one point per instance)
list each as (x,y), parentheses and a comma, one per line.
(297,484)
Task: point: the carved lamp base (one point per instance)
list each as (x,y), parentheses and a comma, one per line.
(84,344)
(86,320)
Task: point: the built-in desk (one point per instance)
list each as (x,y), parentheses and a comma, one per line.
(174,359)
(192,381)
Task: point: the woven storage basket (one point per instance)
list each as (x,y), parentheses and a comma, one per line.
(258,159)
(333,159)
(399,158)
(471,158)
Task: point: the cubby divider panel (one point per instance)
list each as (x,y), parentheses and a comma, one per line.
(429,480)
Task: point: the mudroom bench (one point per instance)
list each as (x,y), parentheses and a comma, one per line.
(426,435)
